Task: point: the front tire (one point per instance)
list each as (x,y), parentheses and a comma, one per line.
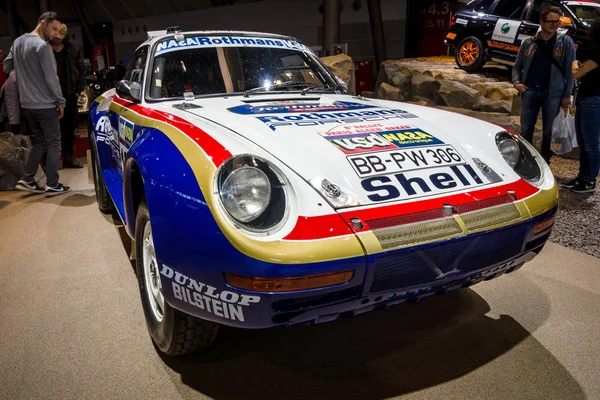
(172,331)
(105,204)
(470,54)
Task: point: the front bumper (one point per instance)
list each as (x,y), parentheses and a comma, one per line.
(390,278)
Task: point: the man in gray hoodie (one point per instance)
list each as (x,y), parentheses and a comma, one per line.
(42,101)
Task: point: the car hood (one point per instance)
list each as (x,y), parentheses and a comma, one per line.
(358,151)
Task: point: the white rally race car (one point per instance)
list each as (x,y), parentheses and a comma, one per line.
(259,194)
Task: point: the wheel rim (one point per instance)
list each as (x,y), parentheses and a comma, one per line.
(468,53)
(152,275)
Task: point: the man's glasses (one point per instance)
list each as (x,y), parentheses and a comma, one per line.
(552,22)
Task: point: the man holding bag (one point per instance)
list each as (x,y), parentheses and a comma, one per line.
(542,75)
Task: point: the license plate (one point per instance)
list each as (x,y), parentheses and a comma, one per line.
(402,160)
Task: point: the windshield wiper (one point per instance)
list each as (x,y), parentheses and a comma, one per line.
(325,88)
(275,86)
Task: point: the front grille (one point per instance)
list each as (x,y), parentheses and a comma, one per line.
(402,235)
(491,216)
(437,262)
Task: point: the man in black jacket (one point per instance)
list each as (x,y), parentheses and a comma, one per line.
(71,74)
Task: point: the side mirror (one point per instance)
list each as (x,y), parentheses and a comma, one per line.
(565,22)
(129,90)
(342,83)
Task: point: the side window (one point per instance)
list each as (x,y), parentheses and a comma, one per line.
(512,9)
(538,6)
(483,6)
(135,71)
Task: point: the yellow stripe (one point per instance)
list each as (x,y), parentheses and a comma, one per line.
(279,251)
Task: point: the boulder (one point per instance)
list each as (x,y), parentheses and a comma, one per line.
(389,92)
(456,94)
(516,105)
(501,93)
(425,87)
(14,150)
(487,105)
(404,83)
(387,71)
(484,87)
(342,66)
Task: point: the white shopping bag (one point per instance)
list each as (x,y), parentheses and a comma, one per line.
(563,133)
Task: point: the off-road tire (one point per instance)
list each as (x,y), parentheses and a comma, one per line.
(178,333)
(470,54)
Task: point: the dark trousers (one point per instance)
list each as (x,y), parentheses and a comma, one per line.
(68,124)
(44,125)
(587,124)
(533,100)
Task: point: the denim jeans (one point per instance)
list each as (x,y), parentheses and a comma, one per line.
(44,124)
(532,100)
(587,124)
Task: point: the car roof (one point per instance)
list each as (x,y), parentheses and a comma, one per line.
(590,3)
(158,36)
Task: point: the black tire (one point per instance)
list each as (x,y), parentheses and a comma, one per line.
(470,54)
(177,333)
(105,203)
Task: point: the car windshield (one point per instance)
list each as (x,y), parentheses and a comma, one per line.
(586,14)
(201,66)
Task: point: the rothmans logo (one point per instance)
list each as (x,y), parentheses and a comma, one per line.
(505,28)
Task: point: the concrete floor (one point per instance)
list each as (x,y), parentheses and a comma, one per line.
(72,327)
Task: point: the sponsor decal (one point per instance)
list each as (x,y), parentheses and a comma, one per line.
(361,144)
(410,137)
(504,46)
(403,160)
(222,303)
(324,118)
(104,129)
(226,41)
(415,184)
(296,107)
(506,30)
(126,132)
(462,21)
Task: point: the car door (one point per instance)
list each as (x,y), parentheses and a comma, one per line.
(505,30)
(121,116)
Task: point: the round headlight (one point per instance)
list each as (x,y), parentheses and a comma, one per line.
(510,151)
(521,156)
(246,193)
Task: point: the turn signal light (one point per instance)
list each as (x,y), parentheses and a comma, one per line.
(543,225)
(288,284)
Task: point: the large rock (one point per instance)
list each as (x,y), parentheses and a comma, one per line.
(14,151)
(342,66)
(485,87)
(456,94)
(387,71)
(404,83)
(501,119)
(487,105)
(425,87)
(389,92)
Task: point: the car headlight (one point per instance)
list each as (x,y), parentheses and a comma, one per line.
(520,156)
(246,193)
(252,192)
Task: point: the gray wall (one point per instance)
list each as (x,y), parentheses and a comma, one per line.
(298,18)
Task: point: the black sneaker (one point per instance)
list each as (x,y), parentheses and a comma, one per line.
(59,189)
(570,184)
(29,186)
(584,187)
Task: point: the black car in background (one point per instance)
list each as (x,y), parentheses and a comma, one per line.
(494,29)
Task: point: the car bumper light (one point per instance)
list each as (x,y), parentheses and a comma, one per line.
(288,284)
(542,226)
(451,36)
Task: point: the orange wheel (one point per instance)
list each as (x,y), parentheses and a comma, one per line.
(469,54)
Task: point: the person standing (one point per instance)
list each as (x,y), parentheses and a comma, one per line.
(41,99)
(542,75)
(71,75)
(587,116)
